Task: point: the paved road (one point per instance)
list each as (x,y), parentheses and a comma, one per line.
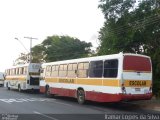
(35,106)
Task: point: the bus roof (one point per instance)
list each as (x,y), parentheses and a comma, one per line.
(112,56)
(22,65)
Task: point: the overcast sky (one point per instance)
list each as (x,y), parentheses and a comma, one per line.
(41,18)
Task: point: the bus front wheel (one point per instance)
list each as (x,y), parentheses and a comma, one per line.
(81,96)
(48,92)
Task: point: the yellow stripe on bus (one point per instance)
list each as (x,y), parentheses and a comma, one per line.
(97,82)
(16,78)
(84,81)
(101,82)
(54,80)
(111,82)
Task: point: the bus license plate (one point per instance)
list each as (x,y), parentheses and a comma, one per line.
(137,89)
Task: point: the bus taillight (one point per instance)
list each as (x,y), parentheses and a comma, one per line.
(150,89)
(27,81)
(123,89)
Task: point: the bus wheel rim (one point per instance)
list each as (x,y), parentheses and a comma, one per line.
(81,95)
(48,91)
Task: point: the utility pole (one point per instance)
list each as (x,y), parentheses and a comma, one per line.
(31,38)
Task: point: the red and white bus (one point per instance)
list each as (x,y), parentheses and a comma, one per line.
(109,78)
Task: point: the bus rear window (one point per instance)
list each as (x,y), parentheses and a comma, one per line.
(136,63)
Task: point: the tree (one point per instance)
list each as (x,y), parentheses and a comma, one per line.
(57,48)
(38,54)
(22,59)
(134,27)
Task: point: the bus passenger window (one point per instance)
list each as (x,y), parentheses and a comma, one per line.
(96,69)
(25,70)
(110,68)
(54,71)
(72,68)
(17,71)
(22,70)
(11,71)
(48,70)
(82,71)
(62,70)
(7,72)
(14,71)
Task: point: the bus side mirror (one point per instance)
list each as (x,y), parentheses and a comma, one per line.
(41,70)
(4,76)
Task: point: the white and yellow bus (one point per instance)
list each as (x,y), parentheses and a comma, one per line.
(109,78)
(1,79)
(23,77)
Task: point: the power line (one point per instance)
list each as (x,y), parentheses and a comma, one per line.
(137,24)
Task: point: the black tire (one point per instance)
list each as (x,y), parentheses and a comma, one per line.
(81,96)
(8,86)
(48,92)
(19,88)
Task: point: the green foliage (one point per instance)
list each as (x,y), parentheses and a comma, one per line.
(156,88)
(57,48)
(38,54)
(114,9)
(22,59)
(132,27)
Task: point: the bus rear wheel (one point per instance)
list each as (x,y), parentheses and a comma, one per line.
(8,86)
(81,96)
(19,88)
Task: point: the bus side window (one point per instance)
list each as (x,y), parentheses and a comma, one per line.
(11,72)
(19,71)
(6,72)
(82,71)
(63,70)
(25,70)
(48,70)
(16,71)
(110,68)
(54,71)
(22,70)
(72,68)
(96,69)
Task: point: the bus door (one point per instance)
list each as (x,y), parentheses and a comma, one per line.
(137,75)
(34,74)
